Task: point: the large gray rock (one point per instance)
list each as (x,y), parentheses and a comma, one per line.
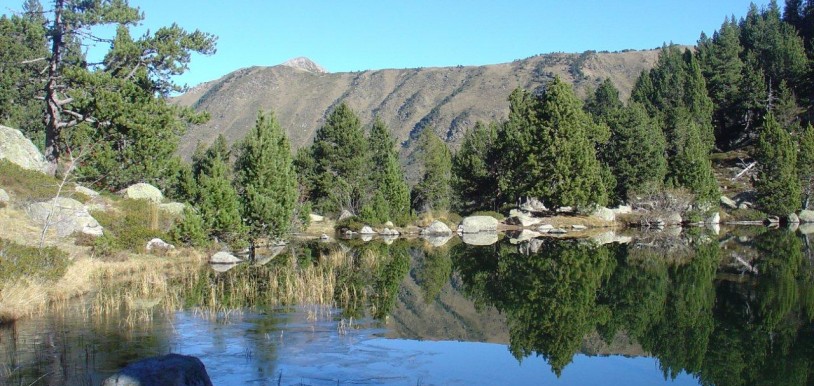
(142,191)
(158,245)
(533,205)
(367,230)
(437,228)
(437,240)
(806,229)
(806,216)
(86,191)
(477,224)
(224,258)
(486,238)
(167,370)
(523,236)
(18,149)
(605,214)
(728,203)
(66,216)
(345,215)
(611,237)
(793,219)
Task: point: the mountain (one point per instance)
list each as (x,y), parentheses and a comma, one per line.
(448,100)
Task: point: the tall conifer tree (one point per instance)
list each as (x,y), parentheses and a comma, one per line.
(778,187)
(433,191)
(387,176)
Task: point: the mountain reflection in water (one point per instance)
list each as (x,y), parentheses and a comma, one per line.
(704,309)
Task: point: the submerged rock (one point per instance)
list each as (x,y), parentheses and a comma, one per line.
(167,370)
(437,240)
(224,258)
(486,238)
(523,220)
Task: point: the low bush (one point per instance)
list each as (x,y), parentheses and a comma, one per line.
(19,261)
(747,215)
(130,226)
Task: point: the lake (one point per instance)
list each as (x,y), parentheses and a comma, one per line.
(671,308)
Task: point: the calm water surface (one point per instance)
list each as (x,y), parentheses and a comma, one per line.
(689,309)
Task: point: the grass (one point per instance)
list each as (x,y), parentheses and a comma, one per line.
(130,226)
(26,274)
(29,185)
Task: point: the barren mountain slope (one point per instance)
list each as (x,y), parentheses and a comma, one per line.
(448,100)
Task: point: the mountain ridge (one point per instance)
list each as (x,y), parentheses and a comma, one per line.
(448,100)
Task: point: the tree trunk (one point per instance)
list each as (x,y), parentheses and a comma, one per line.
(53,119)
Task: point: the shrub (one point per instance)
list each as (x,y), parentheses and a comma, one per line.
(131,226)
(19,261)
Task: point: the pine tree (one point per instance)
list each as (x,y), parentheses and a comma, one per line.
(219,205)
(805,165)
(433,191)
(387,176)
(266,180)
(691,167)
(568,172)
(340,179)
(515,145)
(474,170)
(189,230)
(203,157)
(778,187)
(636,152)
(604,101)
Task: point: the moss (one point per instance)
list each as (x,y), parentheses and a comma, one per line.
(19,261)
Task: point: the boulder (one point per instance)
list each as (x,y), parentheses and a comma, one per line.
(557,231)
(346,214)
(578,227)
(157,244)
(727,202)
(715,218)
(367,230)
(66,216)
(389,224)
(773,220)
(175,208)
(523,236)
(806,216)
(605,214)
(793,219)
(533,205)
(19,150)
(477,224)
(86,191)
(486,238)
(611,237)
(545,228)
(389,232)
(316,217)
(168,370)
(745,205)
(806,229)
(4,198)
(142,191)
(437,228)
(224,258)
(523,220)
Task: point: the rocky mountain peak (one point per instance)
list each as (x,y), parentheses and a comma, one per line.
(305,64)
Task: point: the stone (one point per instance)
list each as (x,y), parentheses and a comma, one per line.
(175,208)
(479,238)
(673,218)
(389,224)
(389,232)
(533,205)
(806,228)
(316,217)
(324,237)
(224,258)
(367,230)
(545,228)
(477,224)
(745,205)
(167,370)
(157,244)
(728,202)
(605,214)
(66,216)
(773,220)
(714,228)
(346,214)
(715,218)
(86,191)
(523,220)
(578,227)
(793,219)
(4,198)
(610,237)
(142,191)
(806,216)
(366,237)
(437,228)
(557,231)
(19,150)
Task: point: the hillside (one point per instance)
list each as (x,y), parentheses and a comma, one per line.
(448,100)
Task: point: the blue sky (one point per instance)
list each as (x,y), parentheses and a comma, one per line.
(354,35)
